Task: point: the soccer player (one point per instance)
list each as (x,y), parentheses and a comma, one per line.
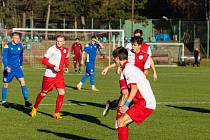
(13,62)
(54,59)
(140,95)
(132,58)
(89,55)
(76,50)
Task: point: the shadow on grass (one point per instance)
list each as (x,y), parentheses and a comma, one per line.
(19,107)
(195,109)
(75,88)
(87,118)
(65,135)
(81,103)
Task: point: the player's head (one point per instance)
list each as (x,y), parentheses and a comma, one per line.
(120,54)
(16,37)
(93,39)
(138,32)
(136,43)
(77,39)
(60,40)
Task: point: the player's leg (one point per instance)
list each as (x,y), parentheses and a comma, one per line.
(7,78)
(79,62)
(47,85)
(19,75)
(4,95)
(92,77)
(75,63)
(122,127)
(59,103)
(84,77)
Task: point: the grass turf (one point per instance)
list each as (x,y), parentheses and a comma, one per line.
(183,108)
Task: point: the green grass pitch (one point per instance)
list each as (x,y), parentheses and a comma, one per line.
(183,108)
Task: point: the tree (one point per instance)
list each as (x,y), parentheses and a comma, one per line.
(190,9)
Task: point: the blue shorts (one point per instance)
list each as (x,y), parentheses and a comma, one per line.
(90,68)
(8,76)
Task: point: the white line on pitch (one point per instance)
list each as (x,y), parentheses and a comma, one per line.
(184,102)
(160,103)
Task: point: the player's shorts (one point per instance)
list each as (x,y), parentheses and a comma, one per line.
(48,83)
(138,113)
(90,67)
(77,59)
(8,76)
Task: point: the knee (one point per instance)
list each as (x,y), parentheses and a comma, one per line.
(5,85)
(121,122)
(43,93)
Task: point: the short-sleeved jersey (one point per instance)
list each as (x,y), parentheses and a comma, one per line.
(91,50)
(12,55)
(76,49)
(56,56)
(135,76)
(141,59)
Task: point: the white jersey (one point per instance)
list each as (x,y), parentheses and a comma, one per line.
(131,55)
(54,56)
(133,75)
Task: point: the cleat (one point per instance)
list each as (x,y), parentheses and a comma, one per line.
(94,89)
(79,86)
(5,105)
(27,104)
(57,116)
(106,109)
(33,112)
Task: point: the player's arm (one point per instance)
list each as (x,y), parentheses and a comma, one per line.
(45,60)
(105,70)
(100,44)
(153,69)
(132,94)
(67,63)
(21,58)
(4,58)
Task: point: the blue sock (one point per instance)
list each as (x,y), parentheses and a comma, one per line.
(84,77)
(4,94)
(25,92)
(92,79)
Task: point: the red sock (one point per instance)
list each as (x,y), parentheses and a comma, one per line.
(59,103)
(123,133)
(38,100)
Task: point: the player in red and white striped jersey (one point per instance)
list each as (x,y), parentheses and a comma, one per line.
(54,59)
(140,94)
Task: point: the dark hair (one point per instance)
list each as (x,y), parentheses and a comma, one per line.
(93,37)
(16,33)
(137,39)
(138,31)
(120,52)
(60,36)
(77,38)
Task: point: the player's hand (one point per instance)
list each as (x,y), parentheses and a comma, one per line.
(104,71)
(66,70)
(8,69)
(118,70)
(124,109)
(82,63)
(56,69)
(155,76)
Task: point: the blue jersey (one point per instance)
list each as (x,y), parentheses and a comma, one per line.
(13,55)
(91,50)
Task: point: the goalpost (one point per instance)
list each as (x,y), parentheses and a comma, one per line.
(170,53)
(36,44)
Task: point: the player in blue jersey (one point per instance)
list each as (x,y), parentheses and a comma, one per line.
(89,56)
(13,61)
